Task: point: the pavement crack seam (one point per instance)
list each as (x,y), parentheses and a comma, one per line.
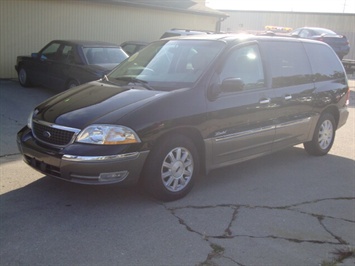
(323,216)
(284,238)
(286,207)
(182,222)
(10,119)
(218,251)
(341,241)
(298,204)
(227,231)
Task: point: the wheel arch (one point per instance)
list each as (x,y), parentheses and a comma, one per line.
(18,67)
(21,64)
(191,133)
(333,110)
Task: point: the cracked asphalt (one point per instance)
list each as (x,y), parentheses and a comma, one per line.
(288,208)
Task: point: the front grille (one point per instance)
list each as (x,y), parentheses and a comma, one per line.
(53,134)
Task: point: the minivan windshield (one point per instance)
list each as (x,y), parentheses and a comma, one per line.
(168,64)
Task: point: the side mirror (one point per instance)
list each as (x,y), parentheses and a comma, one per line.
(34,55)
(295,35)
(232,85)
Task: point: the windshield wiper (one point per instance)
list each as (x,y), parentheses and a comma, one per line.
(135,80)
(106,79)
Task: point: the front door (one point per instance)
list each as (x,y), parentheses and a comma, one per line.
(241,121)
(42,64)
(58,69)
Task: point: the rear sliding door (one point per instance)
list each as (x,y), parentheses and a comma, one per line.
(293,87)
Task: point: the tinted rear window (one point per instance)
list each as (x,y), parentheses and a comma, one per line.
(324,31)
(325,63)
(104,55)
(289,63)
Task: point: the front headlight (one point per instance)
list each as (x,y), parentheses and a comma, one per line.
(108,135)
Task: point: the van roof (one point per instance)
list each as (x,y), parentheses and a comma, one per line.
(236,38)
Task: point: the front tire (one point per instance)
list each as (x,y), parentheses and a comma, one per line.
(23,78)
(171,168)
(323,136)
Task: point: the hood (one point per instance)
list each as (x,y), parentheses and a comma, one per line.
(90,103)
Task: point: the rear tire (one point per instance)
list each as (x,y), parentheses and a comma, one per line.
(72,83)
(171,168)
(23,78)
(323,136)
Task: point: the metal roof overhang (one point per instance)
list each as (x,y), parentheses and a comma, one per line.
(185,6)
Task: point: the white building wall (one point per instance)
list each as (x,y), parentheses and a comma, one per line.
(239,21)
(27,25)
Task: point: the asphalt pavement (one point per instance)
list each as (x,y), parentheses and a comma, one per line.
(288,208)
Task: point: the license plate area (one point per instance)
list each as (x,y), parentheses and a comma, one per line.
(42,166)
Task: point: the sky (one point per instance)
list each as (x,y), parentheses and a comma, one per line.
(323,6)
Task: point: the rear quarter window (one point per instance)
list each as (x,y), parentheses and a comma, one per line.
(288,62)
(325,63)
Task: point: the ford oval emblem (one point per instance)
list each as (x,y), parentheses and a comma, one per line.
(47,134)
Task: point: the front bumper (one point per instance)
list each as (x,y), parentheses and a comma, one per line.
(95,170)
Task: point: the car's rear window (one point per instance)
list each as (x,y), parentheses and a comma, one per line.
(104,55)
(325,31)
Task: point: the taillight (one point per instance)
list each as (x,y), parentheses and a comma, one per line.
(347,97)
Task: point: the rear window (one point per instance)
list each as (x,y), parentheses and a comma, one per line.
(289,63)
(324,31)
(325,63)
(104,55)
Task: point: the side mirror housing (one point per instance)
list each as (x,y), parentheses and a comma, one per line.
(232,85)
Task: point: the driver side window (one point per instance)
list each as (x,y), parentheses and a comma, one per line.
(245,64)
(51,52)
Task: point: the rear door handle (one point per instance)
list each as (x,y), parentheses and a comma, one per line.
(264,101)
(288,97)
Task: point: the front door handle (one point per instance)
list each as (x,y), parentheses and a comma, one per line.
(265,101)
(288,97)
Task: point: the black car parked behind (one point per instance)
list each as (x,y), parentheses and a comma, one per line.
(338,42)
(65,64)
